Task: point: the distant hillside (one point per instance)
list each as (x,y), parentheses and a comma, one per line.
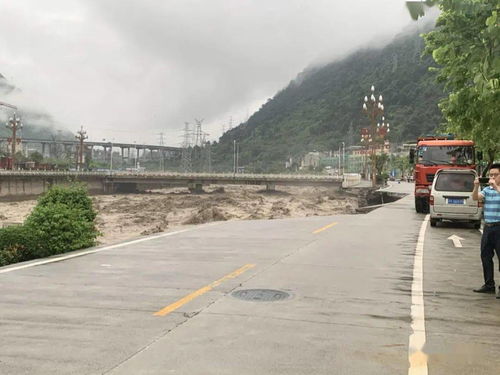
(36,124)
(322,107)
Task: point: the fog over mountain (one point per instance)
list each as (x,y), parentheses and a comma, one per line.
(129,69)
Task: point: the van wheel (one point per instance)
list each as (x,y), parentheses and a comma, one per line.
(433,222)
(477,224)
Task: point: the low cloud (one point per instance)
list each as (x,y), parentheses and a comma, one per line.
(130,69)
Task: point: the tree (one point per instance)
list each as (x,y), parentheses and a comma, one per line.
(466,44)
(417,8)
(36,157)
(20,158)
(380,162)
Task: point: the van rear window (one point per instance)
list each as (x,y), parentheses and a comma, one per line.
(455,182)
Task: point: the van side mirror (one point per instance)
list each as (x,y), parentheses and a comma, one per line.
(479,155)
(412,156)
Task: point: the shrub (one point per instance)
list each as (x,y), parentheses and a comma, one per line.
(74,196)
(17,244)
(63,220)
(59,228)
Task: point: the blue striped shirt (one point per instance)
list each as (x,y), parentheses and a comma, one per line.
(491,205)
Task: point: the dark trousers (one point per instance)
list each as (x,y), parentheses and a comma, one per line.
(490,241)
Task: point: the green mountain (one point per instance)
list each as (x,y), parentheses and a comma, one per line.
(322,107)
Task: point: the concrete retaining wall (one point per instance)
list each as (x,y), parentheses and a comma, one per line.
(12,187)
(351,179)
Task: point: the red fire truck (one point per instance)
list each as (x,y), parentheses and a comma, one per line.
(434,153)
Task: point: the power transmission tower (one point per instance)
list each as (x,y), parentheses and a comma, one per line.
(197,161)
(81,136)
(14,124)
(186,149)
(198,141)
(230,123)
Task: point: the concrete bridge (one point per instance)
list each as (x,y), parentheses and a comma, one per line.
(55,148)
(32,183)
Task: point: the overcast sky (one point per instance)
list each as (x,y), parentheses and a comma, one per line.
(130,69)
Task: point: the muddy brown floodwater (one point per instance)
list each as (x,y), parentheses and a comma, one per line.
(127,216)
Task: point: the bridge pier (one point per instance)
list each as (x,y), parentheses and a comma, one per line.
(195,187)
(270,187)
(122,149)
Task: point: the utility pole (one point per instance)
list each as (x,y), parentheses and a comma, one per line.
(237,156)
(343,158)
(14,124)
(81,136)
(340,155)
(234,156)
(236,147)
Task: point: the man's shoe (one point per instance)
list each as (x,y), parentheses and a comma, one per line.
(485,289)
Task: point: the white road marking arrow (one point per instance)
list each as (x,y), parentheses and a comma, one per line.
(456,240)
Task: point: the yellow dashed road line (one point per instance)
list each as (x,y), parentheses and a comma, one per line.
(325,227)
(174,306)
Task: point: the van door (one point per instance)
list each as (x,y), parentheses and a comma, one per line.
(452,193)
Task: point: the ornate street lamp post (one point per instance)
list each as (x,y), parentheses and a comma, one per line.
(375,134)
(14,125)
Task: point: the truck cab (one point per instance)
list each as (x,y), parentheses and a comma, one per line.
(433,154)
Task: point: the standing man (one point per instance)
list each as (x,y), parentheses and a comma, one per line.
(490,241)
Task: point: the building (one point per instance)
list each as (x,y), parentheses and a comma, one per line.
(311,160)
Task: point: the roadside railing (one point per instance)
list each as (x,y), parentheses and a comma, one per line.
(240,176)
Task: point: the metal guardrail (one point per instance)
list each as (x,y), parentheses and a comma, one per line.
(241,176)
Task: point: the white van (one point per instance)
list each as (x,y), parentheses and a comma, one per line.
(451,197)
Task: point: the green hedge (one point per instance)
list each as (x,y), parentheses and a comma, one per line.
(63,220)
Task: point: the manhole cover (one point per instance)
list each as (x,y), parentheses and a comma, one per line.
(261,295)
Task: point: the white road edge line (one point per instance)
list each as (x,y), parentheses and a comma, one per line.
(417,359)
(82,253)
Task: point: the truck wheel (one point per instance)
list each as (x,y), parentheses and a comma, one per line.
(433,222)
(425,205)
(418,205)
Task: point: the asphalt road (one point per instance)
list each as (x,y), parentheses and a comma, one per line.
(164,305)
